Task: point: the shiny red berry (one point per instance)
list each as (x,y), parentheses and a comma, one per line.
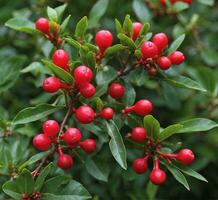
(72,136)
(107,113)
(82,74)
(88,145)
(158,176)
(138,134)
(87,90)
(143,107)
(41,142)
(185,156)
(51,84)
(177,57)
(164,62)
(50,128)
(65,161)
(140,165)
(61,58)
(149,50)
(42,24)
(137,27)
(85,114)
(116,90)
(103,39)
(160,40)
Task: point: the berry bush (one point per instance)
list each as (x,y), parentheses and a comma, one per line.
(110,101)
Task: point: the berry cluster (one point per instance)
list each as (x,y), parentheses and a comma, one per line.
(152,150)
(70,140)
(33,196)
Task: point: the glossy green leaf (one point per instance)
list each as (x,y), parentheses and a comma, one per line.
(11,190)
(169,131)
(116,144)
(152,126)
(60,11)
(81,28)
(127,41)
(118,26)
(129,95)
(32,114)
(127,26)
(180,6)
(176,44)
(73,42)
(141,10)
(59,72)
(52,14)
(151,190)
(105,76)
(114,49)
(65,23)
(101,90)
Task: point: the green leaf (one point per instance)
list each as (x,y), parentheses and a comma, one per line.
(32,114)
(81,28)
(180,6)
(178,176)
(151,190)
(101,90)
(190,172)
(116,144)
(129,95)
(73,42)
(60,11)
(118,26)
(114,49)
(11,190)
(65,23)
(197,125)
(141,11)
(207,2)
(127,41)
(105,76)
(36,67)
(98,168)
(152,126)
(21,24)
(97,11)
(169,131)
(127,26)
(42,176)
(59,72)
(176,44)
(52,14)
(184,82)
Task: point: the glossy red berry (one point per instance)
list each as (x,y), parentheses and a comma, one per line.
(164,62)
(72,136)
(87,90)
(41,142)
(138,134)
(137,27)
(85,114)
(88,145)
(143,107)
(61,58)
(103,39)
(116,90)
(82,74)
(42,24)
(50,128)
(107,113)
(160,40)
(65,161)
(185,156)
(158,176)
(51,84)
(149,50)
(140,165)
(177,57)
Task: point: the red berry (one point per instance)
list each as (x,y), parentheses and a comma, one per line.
(143,107)
(177,57)
(149,50)
(116,90)
(61,58)
(82,74)
(85,114)
(72,136)
(185,156)
(42,24)
(160,40)
(87,90)
(51,84)
(107,113)
(103,39)
(88,145)
(65,161)
(41,142)
(140,165)
(158,176)
(50,128)
(137,27)
(138,134)
(164,62)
